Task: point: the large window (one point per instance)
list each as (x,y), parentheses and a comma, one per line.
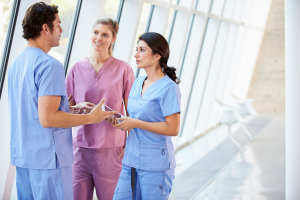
(192,98)
(111,9)
(217,7)
(213,77)
(5,10)
(140,30)
(203,5)
(169,24)
(66,10)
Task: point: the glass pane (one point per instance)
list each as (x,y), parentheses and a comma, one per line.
(201,74)
(213,78)
(177,38)
(217,7)
(141,29)
(175,1)
(247,63)
(248,8)
(169,24)
(263,14)
(238,10)
(111,8)
(5,11)
(223,74)
(65,11)
(191,105)
(256,11)
(228,9)
(226,62)
(190,62)
(234,64)
(185,3)
(203,5)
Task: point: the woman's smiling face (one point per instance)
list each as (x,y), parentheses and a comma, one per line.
(102,37)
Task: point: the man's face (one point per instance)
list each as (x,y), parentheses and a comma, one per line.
(56,32)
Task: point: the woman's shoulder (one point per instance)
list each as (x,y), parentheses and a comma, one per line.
(168,82)
(79,64)
(121,63)
(137,82)
(140,78)
(169,85)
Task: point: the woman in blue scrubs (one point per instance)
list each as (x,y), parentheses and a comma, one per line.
(154,110)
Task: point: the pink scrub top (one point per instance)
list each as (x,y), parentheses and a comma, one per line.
(113,82)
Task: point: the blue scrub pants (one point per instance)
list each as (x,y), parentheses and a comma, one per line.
(44,183)
(149,184)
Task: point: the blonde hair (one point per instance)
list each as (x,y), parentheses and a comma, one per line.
(113,27)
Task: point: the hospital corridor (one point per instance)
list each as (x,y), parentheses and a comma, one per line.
(149,99)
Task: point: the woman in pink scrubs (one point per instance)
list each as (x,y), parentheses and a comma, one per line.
(98,148)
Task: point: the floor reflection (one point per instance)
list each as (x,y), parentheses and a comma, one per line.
(258,173)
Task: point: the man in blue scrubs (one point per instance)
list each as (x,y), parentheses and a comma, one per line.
(41,138)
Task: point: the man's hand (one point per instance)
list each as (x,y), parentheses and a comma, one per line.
(97,115)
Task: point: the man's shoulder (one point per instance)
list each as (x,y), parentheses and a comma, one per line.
(54,61)
(33,53)
(38,56)
(32,57)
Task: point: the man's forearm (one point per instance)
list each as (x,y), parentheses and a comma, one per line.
(62,119)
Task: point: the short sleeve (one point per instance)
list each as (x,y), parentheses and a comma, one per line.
(70,84)
(170,99)
(50,79)
(128,81)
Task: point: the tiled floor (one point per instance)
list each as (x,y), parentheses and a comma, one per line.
(193,152)
(199,173)
(258,173)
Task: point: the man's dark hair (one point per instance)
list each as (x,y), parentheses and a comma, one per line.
(35,16)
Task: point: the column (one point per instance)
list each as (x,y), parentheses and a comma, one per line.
(292,98)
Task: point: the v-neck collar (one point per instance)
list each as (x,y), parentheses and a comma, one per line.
(101,71)
(141,86)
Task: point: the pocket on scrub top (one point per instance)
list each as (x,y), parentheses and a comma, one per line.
(154,156)
(63,146)
(146,110)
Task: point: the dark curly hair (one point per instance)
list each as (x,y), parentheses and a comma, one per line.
(35,16)
(159,45)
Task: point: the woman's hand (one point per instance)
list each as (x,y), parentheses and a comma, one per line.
(81,107)
(126,123)
(86,106)
(122,153)
(76,110)
(112,120)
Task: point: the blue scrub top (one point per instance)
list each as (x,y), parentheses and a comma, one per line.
(32,74)
(144,149)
